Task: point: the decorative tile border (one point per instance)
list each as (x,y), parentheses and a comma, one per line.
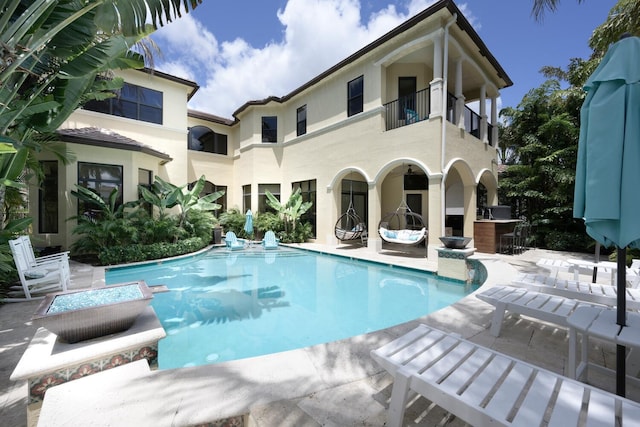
(477,271)
(39,385)
(452,255)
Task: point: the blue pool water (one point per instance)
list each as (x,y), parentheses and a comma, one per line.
(231,305)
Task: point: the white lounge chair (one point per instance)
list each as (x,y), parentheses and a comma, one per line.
(36,279)
(554,265)
(592,292)
(486,388)
(550,308)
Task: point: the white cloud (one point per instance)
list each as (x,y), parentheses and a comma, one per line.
(315,36)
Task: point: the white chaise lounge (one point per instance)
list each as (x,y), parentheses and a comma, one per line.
(550,308)
(584,291)
(486,388)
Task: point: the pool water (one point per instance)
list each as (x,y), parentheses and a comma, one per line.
(231,305)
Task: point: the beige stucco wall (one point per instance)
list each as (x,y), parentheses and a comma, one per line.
(335,146)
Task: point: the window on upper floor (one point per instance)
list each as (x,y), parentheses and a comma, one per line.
(274,189)
(269,129)
(301,120)
(133,102)
(102,180)
(355,96)
(201,138)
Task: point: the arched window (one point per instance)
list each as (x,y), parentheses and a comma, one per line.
(201,138)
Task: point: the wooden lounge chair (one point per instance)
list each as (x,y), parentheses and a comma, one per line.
(550,308)
(37,278)
(486,388)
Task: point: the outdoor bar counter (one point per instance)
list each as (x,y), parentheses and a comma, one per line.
(487,232)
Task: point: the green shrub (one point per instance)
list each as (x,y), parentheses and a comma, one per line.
(199,223)
(135,253)
(301,233)
(268,221)
(567,241)
(233,220)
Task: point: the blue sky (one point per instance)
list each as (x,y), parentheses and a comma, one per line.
(250,49)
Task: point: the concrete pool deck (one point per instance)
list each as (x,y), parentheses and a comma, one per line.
(333,384)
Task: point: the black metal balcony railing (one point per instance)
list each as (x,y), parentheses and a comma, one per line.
(407,110)
(418,107)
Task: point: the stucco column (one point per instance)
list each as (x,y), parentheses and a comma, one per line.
(437,83)
(460,99)
(435,210)
(470,201)
(494,120)
(374,242)
(483,114)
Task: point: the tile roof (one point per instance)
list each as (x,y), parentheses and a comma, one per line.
(107,138)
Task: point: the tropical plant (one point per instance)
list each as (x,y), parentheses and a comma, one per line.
(165,195)
(50,54)
(543,130)
(233,220)
(266,221)
(52,51)
(106,224)
(291,211)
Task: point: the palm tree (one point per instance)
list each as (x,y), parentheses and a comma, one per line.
(540,6)
(53,50)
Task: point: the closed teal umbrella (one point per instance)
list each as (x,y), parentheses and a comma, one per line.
(248,223)
(608,164)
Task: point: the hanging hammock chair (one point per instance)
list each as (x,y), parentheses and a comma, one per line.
(349,226)
(402,226)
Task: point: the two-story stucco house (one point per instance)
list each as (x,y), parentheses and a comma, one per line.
(394,109)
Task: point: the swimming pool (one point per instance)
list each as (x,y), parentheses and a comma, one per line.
(231,305)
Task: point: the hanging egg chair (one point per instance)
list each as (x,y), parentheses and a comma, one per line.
(349,226)
(402,226)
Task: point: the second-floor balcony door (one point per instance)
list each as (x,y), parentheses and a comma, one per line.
(406,95)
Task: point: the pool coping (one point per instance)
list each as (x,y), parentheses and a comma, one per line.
(203,394)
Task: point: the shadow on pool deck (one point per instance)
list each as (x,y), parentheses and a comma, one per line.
(335,384)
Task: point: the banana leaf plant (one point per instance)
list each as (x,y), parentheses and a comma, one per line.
(291,211)
(165,195)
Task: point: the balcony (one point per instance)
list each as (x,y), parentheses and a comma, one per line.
(407,110)
(416,107)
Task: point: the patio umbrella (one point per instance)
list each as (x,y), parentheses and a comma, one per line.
(248,223)
(608,164)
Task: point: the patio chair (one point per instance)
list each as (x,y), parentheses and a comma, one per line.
(554,265)
(37,278)
(232,241)
(270,241)
(592,292)
(539,305)
(486,388)
(31,255)
(411,116)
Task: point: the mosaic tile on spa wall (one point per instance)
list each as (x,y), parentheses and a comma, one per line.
(39,385)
